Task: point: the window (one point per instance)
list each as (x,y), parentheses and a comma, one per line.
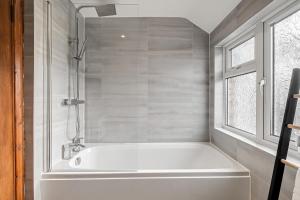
(283,34)
(242,53)
(241,102)
(240,80)
(286,40)
(257,67)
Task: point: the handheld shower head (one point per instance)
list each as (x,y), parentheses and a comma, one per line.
(82,51)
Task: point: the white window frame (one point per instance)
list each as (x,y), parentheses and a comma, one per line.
(260,28)
(268,68)
(242,69)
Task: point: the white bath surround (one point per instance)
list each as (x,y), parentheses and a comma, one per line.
(147,157)
(167,171)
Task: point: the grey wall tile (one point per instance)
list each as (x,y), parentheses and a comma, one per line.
(63,74)
(259,163)
(239,15)
(151,86)
(28,95)
(63,29)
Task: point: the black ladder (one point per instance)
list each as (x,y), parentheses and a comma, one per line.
(285,135)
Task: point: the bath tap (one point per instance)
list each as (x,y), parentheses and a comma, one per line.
(76,145)
(69,150)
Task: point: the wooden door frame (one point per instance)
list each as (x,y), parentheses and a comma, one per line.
(18,32)
(11,100)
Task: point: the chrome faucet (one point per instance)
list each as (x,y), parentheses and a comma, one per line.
(70,149)
(76,144)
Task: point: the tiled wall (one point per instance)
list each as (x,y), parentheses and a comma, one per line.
(258,161)
(62,31)
(151,86)
(28,97)
(63,73)
(38,110)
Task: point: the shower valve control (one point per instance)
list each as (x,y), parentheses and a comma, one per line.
(72,102)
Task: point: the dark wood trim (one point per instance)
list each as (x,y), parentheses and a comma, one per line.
(18,32)
(7,164)
(11,101)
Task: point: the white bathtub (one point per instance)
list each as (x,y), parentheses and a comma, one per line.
(155,171)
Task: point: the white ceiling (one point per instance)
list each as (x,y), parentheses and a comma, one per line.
(206,14)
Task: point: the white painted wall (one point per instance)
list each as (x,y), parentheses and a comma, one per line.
(206,14)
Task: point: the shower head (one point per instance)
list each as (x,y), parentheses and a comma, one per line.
(102,10)
(106,10)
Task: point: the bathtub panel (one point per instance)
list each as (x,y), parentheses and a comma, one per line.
(173,188)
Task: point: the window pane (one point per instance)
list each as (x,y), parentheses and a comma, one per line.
(241,102)
(286,36)
(243,53)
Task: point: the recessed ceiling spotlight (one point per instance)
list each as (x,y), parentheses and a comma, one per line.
(123,36)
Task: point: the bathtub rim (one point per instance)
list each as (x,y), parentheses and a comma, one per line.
(237,170)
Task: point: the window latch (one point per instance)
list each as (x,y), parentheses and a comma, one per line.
(262,83)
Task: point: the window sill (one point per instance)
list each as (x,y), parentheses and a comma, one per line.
(263,145)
